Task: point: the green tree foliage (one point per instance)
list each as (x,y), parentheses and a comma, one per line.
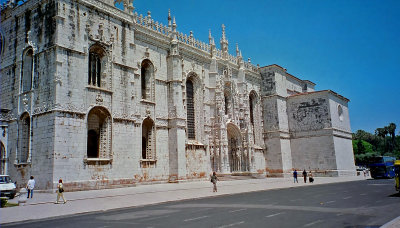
(383,142)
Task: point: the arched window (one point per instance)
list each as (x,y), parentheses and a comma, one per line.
(99,133)
(252,107)
(251,104)
(340,112)
(190,110)
(27,68)
(96,66)
(148,141)
(147,71)
(24,138)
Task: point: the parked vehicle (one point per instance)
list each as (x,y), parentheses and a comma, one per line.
(397,174)
(382,167)
(7,187)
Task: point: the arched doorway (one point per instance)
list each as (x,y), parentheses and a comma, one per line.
(235,153)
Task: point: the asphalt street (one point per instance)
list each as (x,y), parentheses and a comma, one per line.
(367,203)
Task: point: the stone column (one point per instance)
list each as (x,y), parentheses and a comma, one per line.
(177,119)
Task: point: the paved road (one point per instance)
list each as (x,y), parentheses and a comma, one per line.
(368,203)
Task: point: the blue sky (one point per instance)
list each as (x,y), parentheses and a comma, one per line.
(351,47)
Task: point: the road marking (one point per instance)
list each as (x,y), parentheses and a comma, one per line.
(345,198)
(233,224)
(363,194)
(269,216)
(238,210)
(312,223)
(331,201)
(197,218)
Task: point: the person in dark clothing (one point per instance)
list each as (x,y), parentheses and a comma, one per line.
(295,176)
(214,180)
(305,176)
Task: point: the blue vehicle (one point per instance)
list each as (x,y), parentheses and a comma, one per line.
(382,167)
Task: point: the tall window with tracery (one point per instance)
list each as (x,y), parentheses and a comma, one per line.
(147,71)
(27,68)
(252,104)
(99,133)
(148,141)
(96,55)
(190,113)
(24,138)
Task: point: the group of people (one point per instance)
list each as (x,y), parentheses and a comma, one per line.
(60,189)
(310,177)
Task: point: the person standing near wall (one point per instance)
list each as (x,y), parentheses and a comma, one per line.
(60,191)
(30,186)
(295,176)
(214,180)
(305,176)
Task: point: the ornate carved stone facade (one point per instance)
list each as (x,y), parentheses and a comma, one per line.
(100,96)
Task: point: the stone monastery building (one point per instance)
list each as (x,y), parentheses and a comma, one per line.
(103,97)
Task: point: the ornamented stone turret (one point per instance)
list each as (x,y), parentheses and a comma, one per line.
(224,44)
(239,57)
(212,45)
(174,40)
(169,19)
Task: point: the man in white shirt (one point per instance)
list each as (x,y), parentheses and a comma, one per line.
(30,186)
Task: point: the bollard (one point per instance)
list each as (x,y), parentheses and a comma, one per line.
(22,196)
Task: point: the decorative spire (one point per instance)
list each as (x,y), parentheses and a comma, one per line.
(237,50)
(223,34)
(224,44)
(209,36)
(173,25)
(169,18)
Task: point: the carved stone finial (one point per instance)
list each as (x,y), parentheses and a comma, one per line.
(237,50)
(223,32)
(174,25)
(169,18)
(224,43)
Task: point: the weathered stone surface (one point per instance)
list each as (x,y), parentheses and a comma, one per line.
(100,97)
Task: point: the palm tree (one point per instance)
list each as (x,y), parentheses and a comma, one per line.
(392,133)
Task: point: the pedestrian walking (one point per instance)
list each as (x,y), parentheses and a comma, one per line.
(214,180)
(60,191)
(30,186)
(310,177)
(305,176)
(295,176)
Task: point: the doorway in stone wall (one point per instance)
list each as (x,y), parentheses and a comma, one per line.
(234,149)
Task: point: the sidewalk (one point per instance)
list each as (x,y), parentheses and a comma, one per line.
(42,205)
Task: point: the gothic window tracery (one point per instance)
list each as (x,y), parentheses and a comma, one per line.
(99,133)
(148,139)
(190,113)
(252,107)
(147,76)
(96,65)
(27,68)
(24,138)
